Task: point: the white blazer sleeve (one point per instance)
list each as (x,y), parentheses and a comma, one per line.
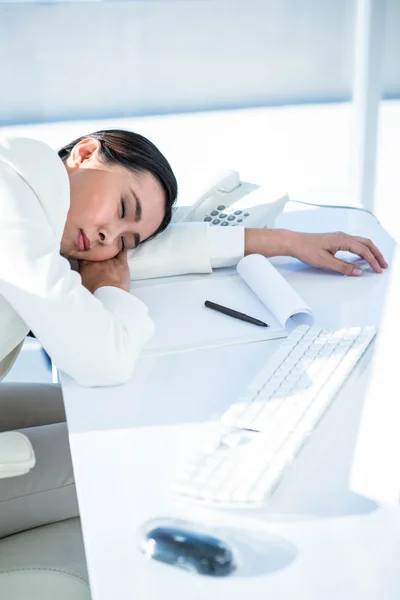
(95,339)
(226,246)
(182,248)
(187,248)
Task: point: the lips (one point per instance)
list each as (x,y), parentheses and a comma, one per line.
(83,241)
(86,241)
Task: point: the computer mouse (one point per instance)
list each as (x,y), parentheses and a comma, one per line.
(188,548)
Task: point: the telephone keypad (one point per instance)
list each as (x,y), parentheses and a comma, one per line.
(216,217)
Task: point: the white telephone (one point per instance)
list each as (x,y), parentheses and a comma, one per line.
(230,202)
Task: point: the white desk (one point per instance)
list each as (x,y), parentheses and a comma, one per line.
(315,540)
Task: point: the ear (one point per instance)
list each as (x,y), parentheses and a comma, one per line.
(85,150)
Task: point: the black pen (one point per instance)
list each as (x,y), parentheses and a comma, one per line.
(234,313)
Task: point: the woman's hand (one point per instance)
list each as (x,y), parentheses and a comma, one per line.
(319,249)
(113,272)
(315,249)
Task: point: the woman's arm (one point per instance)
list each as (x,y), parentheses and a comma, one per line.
(95,338)
(198,248)
(315,249)
(182,248)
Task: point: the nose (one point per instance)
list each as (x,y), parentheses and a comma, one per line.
(107,236)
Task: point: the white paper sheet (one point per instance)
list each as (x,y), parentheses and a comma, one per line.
(183,322)
(273,290)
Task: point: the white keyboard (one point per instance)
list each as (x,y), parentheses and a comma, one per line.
(263,432)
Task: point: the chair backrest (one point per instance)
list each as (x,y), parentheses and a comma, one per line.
(26,571)
(41,584)
(44,563)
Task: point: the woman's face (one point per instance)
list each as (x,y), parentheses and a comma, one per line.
(111,207)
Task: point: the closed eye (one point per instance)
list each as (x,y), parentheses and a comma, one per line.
(123,213)
(136,236)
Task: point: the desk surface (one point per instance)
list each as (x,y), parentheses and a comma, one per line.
(316,539)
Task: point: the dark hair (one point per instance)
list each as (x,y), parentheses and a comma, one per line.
(136,153)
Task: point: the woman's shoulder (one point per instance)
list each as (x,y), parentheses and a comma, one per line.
(43,170)
(29,157)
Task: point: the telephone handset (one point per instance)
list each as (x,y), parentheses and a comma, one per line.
(230,202)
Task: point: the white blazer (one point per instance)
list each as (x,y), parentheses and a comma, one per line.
(95,338)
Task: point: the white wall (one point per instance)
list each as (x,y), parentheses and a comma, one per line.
(91,60)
